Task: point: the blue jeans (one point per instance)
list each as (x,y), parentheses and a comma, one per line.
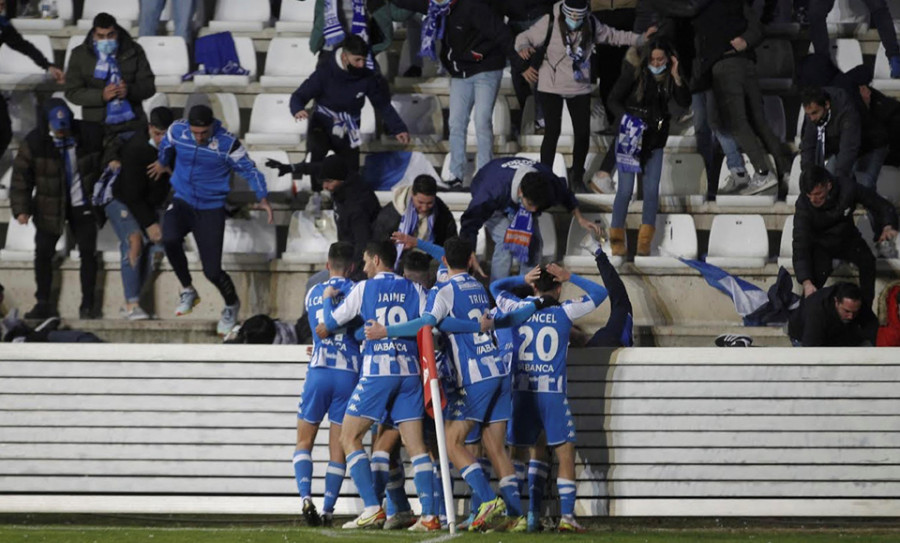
(652,170)
(124,224)
(501,261)
(182,14)
(705,128)
(868,166)
(480,91)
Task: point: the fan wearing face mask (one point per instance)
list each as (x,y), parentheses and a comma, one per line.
(640,100)
(108,75)
(340,86)
(558,48)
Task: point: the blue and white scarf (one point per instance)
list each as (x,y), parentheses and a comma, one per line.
(334,31)
(107,69)
(433,28)
(342,123)
(66,148)
(409,225)
(518,236)
(629,143)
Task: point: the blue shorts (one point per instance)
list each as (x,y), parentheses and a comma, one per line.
(399,396)
(536,411)
(326,391)
(483,402)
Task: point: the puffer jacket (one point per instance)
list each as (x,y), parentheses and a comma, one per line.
(39,169)
(83,89)
(201,174)
(556,74)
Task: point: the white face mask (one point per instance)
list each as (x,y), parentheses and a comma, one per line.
(152,143)
(656,70)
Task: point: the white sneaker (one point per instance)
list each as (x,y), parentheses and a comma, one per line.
(760,183)
(186,301)
(228,319)
(371,521)
(136,314)
(733,183)
(603,183)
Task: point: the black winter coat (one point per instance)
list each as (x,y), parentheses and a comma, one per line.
(134,188)
(842,135)
(816,323)
(355,209)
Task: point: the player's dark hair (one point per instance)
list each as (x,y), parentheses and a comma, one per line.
(521,291)
(814,176)
(415,261)
(354,45)
(814,95)
(457,251)
(424,184)
(546,282)
(847,291)
(536,187)
(340,255)
(257,330)
(385,250)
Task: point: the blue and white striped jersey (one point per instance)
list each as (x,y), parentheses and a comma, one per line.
(339,351)
(475,356)
(388,299)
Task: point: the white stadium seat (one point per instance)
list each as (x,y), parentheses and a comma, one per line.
(368,125)
(786,249)
(847,17)
(5,181)
(126,12)
(18,69)
(422,114)
(240,16)
(19,245)
(271,122)
(548,236)
(580,240)
(500,119)
(740,200)
(683,179)
(288,62)
(74,41)
(794,182)
(882,79)
(160,99)
(308,240)
(675,236)
(773,110)
(559,163)
(481,240)
(274,182)
(63,19)
(738,241)
(246,53)
(296,17)
(865,229)
(846,53)
(249,240)
(168,58)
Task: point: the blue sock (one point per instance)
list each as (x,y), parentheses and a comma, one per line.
(396,493)
(422,469)
(486,467)
(509,488)
(474,476)
(566,490)
(438,488)
(361,473)
(334,478)
(521,475)
(381,467)
(303,468)
(537,480)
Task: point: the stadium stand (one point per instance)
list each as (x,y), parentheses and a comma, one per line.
(271,123)
(168,58)
(288,62)
(126,12)
(675,236)
(247,59)
(240,16)
(738,241)
(18,69)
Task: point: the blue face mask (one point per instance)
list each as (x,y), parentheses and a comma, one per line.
(573,24)
(657,70)
(107,47)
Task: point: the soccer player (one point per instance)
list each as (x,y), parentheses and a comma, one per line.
(389,382)
(461,305)
(330,380)
(539,381)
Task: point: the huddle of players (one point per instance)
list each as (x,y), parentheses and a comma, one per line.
(497,364)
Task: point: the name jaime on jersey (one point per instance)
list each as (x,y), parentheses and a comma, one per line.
(391,297)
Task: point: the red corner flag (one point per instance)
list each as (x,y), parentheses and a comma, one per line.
(429,368)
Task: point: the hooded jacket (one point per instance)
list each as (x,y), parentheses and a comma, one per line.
(39,169)
(201,174)
(831,225)
(389,217)
(817,324)
(332,86)
(842,135)
(475,38)
(83,89)
(556,74)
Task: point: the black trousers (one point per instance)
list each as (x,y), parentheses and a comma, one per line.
(606,60)
(208,227)
(84,229)
(580,111)
(5,126)
(855,251)
(320,140)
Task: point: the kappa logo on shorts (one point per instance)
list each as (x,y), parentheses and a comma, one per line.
(352,407)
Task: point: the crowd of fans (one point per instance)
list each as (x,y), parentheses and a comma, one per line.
(661,60)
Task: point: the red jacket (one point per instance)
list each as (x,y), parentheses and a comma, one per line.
(889,335)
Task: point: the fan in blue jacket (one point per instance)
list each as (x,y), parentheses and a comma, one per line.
(202,155)
(507,195)
(339,86)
